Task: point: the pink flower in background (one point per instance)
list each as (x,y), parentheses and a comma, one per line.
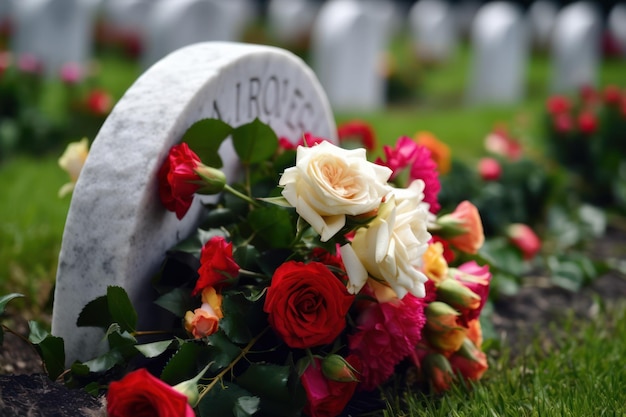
(325,397)
(525,239)
(489,169)
(359,132)
(29,64)
(563,122)
(425,168)
(386,334)
(71,73)
(499,142)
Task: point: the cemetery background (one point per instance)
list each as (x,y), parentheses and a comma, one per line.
(434,104)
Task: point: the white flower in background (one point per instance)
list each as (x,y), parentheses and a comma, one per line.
(391,247)
(328,182)
(72,162)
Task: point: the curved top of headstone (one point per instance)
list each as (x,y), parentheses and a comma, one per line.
(117,231)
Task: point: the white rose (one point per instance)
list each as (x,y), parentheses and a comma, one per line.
(391,247)
(72,162)
(328,182)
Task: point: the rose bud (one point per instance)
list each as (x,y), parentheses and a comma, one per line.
(439,371)
(189,388)
(489,169)
(202,322)
(442,328)
(336,368)
(469,361)
(457,295)
(524,238)
(213,180)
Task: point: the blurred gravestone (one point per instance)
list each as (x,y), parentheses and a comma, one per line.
(575,47)
(173,24)
(541,17)
(117,231)
(617,26)
(433,30)
(55,32)
(464,14)
(348,45)
(125,21)
(290,21)
(500,53)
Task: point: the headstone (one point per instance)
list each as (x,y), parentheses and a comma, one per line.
(617,25)
(499,55)
(290,21)
(173,24)
(464,14)
(575,47)
(126,20)
(347,52)
(541,17)
(117,231)
(56,32)
(433,30)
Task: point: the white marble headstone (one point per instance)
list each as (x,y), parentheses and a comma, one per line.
(290,21)
(541,17)
(499,45)
(117,231)
(56,32)
(617,25)
(127,18)
(173,24)
(433,30)
(347,51)
(575,47)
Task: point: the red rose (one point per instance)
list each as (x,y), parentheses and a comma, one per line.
(325,397)
(216,264)
(141,394)
(307,304)
(99,102)
(178,180)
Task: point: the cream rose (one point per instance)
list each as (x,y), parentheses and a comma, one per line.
(391,247)
(328,182)
(72,162)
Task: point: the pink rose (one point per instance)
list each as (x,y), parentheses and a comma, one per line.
(489,169)
(525,239)
(325,397)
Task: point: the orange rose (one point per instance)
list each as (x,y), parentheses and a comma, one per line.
(202,322)
(465,225)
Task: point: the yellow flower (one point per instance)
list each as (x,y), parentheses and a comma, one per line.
(72,162)
(435,265)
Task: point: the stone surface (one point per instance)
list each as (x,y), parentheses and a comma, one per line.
(126,19)
(541,17)
(56,32)
(173,24)
(617,25)
(290,21)
(433,30)
(575,47)
(348,43)
(117,231)
(499,55)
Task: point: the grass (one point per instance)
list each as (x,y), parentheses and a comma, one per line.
(581,375)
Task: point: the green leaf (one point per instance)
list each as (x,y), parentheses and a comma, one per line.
(154,349)
(271,383)
(5,299)
(222,400)
(273,224)
(177,301)
(50,348)
(95,314)
(246,256)
(121,309)
(205,137)
(221,351)
(278,201)
(235,323)
(254,142)
(182,365)
(105,362)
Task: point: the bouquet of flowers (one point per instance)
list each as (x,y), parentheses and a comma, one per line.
(312,277)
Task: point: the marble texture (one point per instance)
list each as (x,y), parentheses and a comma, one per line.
(117,231)
(575,47)
(500,48)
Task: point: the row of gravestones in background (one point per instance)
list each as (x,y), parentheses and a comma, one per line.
(348,39)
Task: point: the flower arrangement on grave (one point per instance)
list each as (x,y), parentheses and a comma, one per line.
(584,133)
(315,276)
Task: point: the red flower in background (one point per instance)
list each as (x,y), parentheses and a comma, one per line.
(612,95)
(587,122)
(563,122)
(307,304)
(558,104)
(499,142)
(489,169)
(99,102)
(359,132)
(325,397)
(140,393)
(216,264)
(525,239)
(178,180)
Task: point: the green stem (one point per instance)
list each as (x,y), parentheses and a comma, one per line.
(244,197)
(224,371)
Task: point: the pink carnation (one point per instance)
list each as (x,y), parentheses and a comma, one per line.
(387,333)
(425,168)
